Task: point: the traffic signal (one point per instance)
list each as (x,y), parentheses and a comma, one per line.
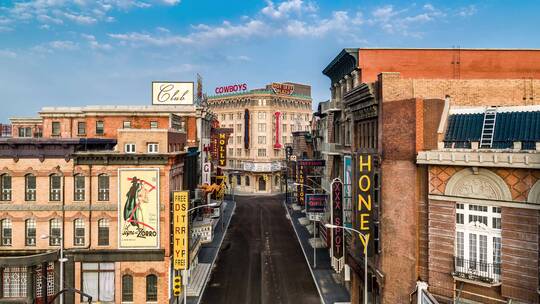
(177,286)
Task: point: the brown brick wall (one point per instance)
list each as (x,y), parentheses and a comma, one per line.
(398,130)
(423,212)
(468,92)
(441,247)
(520,254)
(432,112)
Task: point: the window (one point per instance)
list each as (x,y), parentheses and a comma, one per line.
(284,128)
(49,283)
(98,281)
(239,115)
(478,240)
(14,281)
(30,187)
(238,127)
(103,187)
(238,140)
(247,180)
(153,125)
(103,232)
(262,140)
(222,117)
(151,288)
(55,128)
(238,180)
(54,232)
(55,187)
(129,148)
(238,152)
(78,232)
(292,128)
(30,232)
(307,117)
(126,124)
(153,148)
(262,127)
(5,187)
(81,128)
(127,288)
(79,184)
(231,116)
(231,152)
(100,127)
(25,132)
(283,139)
(261,152)
(262,115)
(284,116)
(6,233)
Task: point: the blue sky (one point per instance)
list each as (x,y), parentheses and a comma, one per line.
(82,52)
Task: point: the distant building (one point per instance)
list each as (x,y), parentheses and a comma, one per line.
(263,121)
(5,130)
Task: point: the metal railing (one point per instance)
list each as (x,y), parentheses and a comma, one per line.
(476,270)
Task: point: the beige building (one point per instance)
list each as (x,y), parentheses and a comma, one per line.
(262,121)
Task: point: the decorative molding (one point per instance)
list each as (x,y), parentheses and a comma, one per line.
(481,201)
(485,184)
(534,193)
(58,207)
(469,158)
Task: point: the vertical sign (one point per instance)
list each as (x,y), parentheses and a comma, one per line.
(337,219)
(207,169)
(246,129)
(364,207)
(347,191)
(180,234)
(222,153)
(278,145)
(301,188)
(138,206)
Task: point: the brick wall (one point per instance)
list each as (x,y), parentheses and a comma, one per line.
(520,254)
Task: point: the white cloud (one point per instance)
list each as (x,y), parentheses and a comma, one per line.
(63,45)
(339,21)
(80,18)
(7,54)
(467,11)
(404,21)
(286,7)
(138,39)
(48,19)
(95,45)
(171,2)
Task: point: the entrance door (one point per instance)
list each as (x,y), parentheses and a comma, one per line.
(262,184)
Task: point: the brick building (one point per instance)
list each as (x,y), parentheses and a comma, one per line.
(263,121)
(388,103)
(74,187)
(483,206)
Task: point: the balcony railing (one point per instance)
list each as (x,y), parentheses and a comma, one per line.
(474,270)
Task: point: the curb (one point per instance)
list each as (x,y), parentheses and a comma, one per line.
(217,254)
(304,252)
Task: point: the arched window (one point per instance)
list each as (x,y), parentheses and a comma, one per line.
(78,187)
(103,187)
(151,288)
(55,187)
(262,184)
(103,232)
(54,232)
(247,180)
(6,233)
(30,232)
(5,187)
(30,187)
(78,232)
(238,180)
(127,288)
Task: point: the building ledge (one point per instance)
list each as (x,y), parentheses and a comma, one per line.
(475,282)
(529,160)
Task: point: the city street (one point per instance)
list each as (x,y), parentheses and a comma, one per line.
(260,260)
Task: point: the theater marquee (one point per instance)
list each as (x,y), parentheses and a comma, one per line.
(138,206)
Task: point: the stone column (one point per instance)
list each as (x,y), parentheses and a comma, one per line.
(343,88)
(355,80)
(347,83)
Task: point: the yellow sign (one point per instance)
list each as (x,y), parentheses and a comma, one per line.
(180,233)
(138,206)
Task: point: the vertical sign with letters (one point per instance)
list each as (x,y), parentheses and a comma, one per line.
(180,233)
(301,188)
(207,169)
(365,201)
(222,151)
(347,191)
(337,219)
(246,129)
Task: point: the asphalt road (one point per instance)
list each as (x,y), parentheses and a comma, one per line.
(260,260)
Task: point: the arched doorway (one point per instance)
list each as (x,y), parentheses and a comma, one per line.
(262,184)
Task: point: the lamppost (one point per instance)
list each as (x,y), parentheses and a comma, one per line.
(331,226)
(185,271)
(61,260)
(314,229)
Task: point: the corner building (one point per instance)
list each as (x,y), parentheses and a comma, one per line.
(389,103)
(263,122)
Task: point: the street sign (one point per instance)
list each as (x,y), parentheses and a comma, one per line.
(315,203)
(312,162)
(315,217)
(293,157)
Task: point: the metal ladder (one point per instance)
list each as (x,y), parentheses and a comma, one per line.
(488,128)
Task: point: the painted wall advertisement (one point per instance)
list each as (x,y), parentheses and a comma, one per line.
(365,199)
(347,191)
(138,205)
(180,230)
(172,93)
(337,219)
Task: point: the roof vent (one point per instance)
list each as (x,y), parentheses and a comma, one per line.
(488,128)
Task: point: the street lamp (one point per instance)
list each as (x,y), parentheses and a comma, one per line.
(202,206)
(307,186)
(331,226)
(62,260)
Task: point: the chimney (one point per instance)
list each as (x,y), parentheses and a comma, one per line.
(517,145)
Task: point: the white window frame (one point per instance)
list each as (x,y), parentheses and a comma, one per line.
(152,148)
(473,229)
(130,148)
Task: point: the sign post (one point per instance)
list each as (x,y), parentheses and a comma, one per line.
(181,236)
(315,204)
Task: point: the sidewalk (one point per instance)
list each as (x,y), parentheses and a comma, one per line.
(330,290)
(209,252)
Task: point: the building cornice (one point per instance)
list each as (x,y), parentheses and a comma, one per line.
(469,158)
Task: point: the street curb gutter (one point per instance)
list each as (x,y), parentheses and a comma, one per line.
(217,254)
(304,252)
